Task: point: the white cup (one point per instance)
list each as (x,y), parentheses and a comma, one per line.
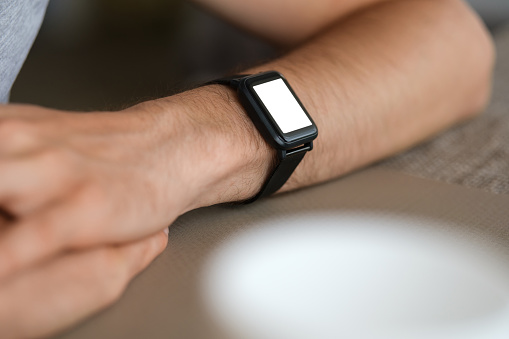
(347,276)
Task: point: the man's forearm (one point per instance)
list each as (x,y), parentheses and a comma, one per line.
(376,83)
(285,23)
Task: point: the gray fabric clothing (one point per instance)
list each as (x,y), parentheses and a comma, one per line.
(20,21)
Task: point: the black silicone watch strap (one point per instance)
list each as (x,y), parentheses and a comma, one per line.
(287,163)
(287,160)
(232,81)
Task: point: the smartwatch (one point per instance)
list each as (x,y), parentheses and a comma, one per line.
(281,119)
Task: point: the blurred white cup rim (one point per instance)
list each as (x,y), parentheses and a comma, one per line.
(356,276)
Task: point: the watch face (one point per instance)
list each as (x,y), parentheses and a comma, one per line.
(282,105)
(279,110)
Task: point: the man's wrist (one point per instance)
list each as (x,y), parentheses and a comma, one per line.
(241,158)
(234,160)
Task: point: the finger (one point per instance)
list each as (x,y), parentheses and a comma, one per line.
(39,236)
(32,181)
(72,224)
(16,135)
(53,296)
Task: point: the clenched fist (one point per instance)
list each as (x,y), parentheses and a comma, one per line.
(71,181)
(85,198)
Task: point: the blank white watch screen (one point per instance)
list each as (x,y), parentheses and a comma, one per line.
(282,105)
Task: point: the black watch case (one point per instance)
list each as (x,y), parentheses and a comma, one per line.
(263,119)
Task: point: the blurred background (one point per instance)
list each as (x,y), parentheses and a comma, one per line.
(108,54)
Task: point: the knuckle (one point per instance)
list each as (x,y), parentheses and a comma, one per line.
(46,233)
(95,194)
(13,125)
(59,164)
(16,133)
(151,249)
(113,274)
(95,199)
(54,158)
(160,242)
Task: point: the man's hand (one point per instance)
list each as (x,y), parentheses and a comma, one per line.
(57,294)
(72,181)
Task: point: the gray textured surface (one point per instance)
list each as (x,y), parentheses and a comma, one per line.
(475,154)
(494,12)
(166,300)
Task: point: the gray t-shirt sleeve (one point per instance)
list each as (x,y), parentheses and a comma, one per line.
(20,21)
